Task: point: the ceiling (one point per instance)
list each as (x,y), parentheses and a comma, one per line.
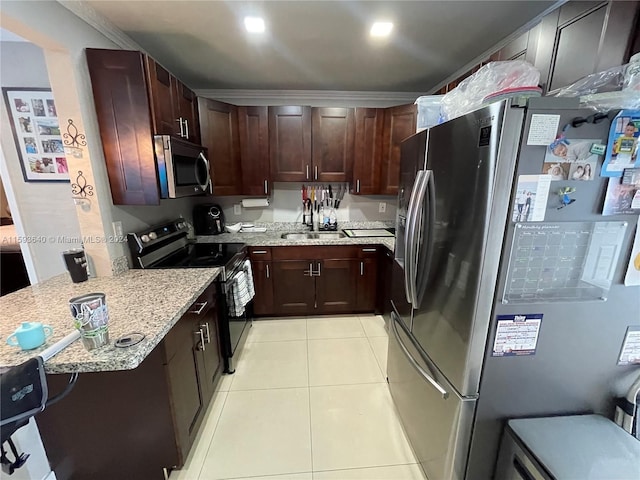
(317,45)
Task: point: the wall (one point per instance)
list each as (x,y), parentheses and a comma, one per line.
(40,22)
(42,208)
(286,206)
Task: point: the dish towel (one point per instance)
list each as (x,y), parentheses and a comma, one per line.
(241,291)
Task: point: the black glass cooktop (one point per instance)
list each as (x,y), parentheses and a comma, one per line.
(202,255)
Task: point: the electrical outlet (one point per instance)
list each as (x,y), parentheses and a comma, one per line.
(237,209)
(382,207)
(117,228)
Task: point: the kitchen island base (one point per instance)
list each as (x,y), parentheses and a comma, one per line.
(112,424)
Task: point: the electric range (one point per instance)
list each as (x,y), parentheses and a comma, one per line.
(167,246)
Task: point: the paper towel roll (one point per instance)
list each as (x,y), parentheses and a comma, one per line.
(255,202)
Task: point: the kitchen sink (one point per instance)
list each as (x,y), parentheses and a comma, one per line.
(312,235)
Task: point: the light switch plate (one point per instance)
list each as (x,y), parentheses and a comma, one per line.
(237,209)
(382,207)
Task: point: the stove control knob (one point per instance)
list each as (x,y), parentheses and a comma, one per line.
(153,235)
(145,238)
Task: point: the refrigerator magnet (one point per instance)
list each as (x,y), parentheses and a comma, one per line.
(517,335)
(623,144)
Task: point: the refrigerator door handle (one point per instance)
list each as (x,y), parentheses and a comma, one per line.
(430,208)
(415,364)
(414,216)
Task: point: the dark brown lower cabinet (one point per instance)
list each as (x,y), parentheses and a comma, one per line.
(135,423)
(294,289)
(314,280)
(385,283)
(335,282)
(367,282)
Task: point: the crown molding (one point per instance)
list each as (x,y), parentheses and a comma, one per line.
(87,13)
(309,97)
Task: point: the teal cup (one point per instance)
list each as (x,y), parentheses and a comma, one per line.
(30,335)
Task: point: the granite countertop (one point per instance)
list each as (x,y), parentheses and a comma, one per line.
(272,237)
(146,301)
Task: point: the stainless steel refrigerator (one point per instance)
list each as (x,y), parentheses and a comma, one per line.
(463,265)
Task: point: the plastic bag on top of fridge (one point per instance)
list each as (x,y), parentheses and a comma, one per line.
(493,79)
(604,90)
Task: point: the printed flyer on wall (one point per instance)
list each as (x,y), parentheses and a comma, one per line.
(622,147)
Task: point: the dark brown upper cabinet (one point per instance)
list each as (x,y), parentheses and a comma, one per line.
(219,129)
(121,98)
(136,98)
(174,108)
(575,40)
(368,151)
(290,143)
(581,38)
(399,123)
(187,106)
(332,137)
(253,127)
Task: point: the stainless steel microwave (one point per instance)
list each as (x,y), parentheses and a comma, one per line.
(183,168)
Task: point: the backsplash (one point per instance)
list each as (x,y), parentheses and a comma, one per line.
(286,206)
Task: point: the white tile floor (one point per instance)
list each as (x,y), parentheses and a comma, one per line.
(308,401)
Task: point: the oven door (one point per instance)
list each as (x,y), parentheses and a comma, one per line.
(233,327)
(183,168)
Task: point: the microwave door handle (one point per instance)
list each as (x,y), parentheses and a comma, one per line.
(206,185)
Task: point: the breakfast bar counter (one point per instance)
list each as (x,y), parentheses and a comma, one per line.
(145,301)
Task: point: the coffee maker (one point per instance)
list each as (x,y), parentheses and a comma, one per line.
(208,219)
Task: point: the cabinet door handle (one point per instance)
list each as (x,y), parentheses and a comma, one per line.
(318,268)
(186,128)
(361,269)
(266,187)
(268,271)
(206,326)
(179,120)
(309,273)
(199,310)
(358,186)
(316,172)
(307,172)
(368,249)
(259,252)
(199,332)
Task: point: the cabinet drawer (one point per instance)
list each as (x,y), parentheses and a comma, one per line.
(314,252)
(181,333)
(368,251)
(260,253)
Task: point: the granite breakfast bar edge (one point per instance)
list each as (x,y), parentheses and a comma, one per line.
(146,301)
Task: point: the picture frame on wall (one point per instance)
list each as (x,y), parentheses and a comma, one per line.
(36,130)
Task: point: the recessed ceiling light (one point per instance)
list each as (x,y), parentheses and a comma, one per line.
(254,24)
(381,29)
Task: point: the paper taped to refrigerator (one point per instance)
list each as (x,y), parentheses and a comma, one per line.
(560,262)
(543,129)
(517,335)
(630,352)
